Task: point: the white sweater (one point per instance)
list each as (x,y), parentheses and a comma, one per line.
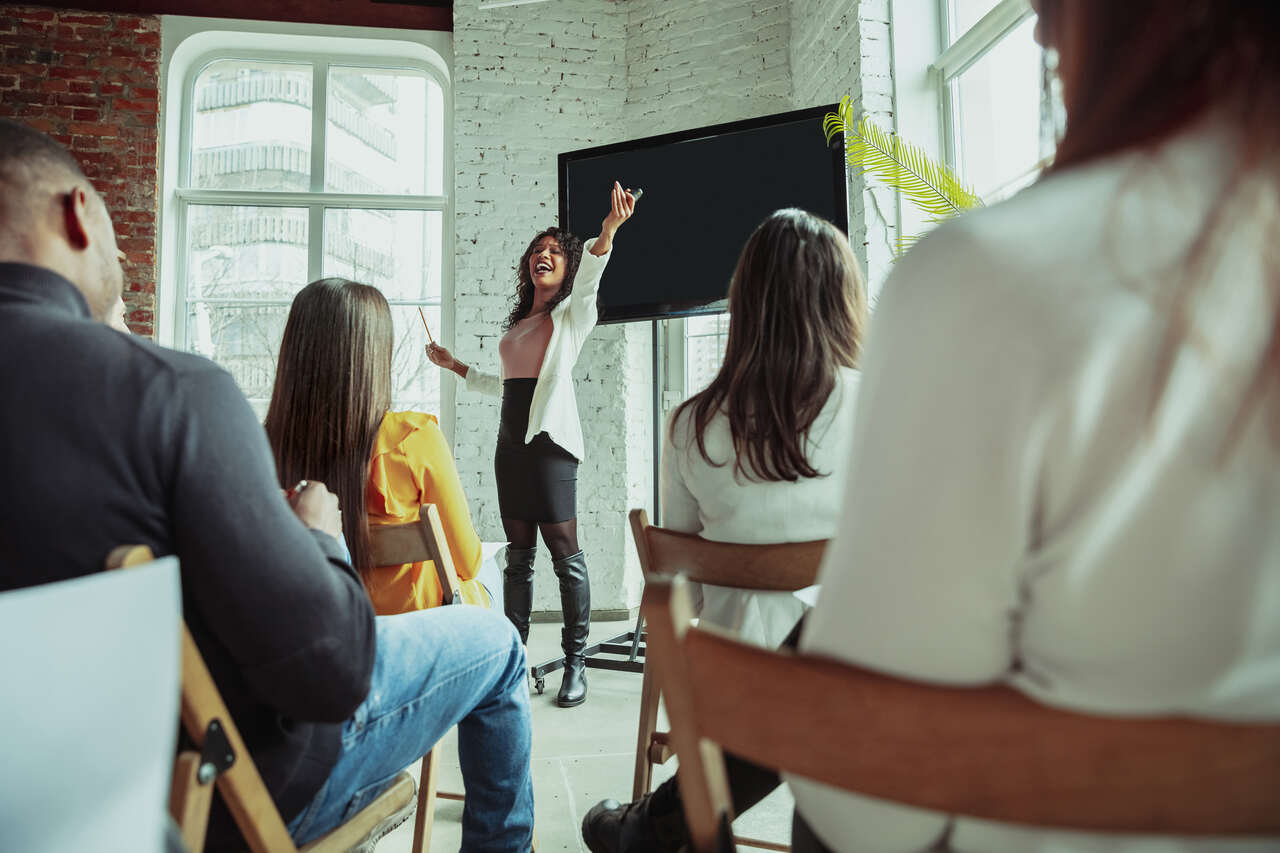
(718,504)
(554,408)
(1021,515)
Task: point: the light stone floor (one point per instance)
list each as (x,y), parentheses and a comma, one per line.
(580,756)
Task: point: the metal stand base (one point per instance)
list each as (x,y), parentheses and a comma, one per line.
(629,647)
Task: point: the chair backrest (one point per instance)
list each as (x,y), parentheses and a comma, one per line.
(416,542)
(241,785)
(90,675)
(987,752)
(782,568)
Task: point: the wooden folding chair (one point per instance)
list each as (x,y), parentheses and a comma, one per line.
(985,752)
(774,568)
(416,542)
(220,757)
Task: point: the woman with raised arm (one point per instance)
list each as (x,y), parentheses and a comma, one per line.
(330,419)
(540,437)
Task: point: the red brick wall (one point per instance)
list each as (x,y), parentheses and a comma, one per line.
(91,81)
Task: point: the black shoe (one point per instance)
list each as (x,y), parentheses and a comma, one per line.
(575,601)
(610,827)
(573,686)
(517,588)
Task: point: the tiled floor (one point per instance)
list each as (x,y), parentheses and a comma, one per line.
(580,756)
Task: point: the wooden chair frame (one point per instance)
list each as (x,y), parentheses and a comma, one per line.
(985,752)
(773,568)
(414,542)
(234,773)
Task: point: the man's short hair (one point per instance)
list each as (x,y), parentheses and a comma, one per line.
(29,158)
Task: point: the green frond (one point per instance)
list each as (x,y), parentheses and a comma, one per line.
(930,186)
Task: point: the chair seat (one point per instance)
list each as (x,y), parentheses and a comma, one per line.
(391,801)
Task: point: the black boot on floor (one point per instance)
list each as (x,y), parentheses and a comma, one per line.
(639,827)
(575,600)
(517,588)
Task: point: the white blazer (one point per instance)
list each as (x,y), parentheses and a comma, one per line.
(554,408)
(718,503)
(1022,515)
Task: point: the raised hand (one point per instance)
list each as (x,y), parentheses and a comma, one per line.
(621,205)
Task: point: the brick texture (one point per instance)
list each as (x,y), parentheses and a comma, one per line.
(89,81)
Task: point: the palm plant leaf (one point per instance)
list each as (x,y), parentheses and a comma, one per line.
(929,185)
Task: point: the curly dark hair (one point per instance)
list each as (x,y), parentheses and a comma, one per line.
(572,248)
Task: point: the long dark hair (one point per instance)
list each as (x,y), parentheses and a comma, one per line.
(797,309)
(1138,72)
(572,248)
(333,387)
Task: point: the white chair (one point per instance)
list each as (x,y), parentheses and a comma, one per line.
(91,672)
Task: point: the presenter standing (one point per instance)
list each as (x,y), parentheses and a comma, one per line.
(540,436)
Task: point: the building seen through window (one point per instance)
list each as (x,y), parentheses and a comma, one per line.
(277,195)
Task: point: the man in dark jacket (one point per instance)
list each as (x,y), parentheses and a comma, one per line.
(109,440)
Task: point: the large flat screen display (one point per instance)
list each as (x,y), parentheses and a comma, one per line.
(705,191)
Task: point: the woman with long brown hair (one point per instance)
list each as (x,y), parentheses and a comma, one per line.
(759,456)
(1067,450)
(330,419)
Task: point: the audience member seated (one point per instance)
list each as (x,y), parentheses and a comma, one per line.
(145,445)
(761,455)
(1068,440)
(330,420)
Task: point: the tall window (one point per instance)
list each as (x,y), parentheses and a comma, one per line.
(994,96)
(299,168)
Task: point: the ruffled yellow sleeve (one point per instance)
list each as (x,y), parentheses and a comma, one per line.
(413,464)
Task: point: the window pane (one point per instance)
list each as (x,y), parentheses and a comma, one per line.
(244,339)
(252,126)
(415,382)
(997,112)
(376,130)
(240,252)
(396,251)
(965,13)
(705,340)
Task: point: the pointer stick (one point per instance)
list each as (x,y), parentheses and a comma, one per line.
(424,324)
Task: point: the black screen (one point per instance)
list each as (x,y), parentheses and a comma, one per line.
(705,191)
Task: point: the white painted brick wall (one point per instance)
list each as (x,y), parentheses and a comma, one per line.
(532,81)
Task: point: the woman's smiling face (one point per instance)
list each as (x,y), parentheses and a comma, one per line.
(547,265)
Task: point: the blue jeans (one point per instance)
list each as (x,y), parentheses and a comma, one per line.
(435,669)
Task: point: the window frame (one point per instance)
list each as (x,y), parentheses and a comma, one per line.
(191,45)
(958,55)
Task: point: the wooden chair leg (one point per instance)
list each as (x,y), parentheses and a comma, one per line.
(425,819)
(190,801)
(649,695)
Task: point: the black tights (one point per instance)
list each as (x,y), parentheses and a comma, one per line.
(561,537)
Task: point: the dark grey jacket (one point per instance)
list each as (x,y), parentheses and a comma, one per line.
(107,439)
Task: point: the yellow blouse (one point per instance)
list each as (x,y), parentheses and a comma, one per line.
(412,465)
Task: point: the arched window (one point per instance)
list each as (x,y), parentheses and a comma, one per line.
(296,164)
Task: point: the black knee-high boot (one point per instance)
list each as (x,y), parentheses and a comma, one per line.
(517,588)
(575,600)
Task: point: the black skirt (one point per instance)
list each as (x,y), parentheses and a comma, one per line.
(537,481)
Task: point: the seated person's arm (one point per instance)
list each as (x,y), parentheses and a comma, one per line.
(679,506)
(281,599)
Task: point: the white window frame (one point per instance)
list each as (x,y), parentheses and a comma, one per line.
(191,45)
